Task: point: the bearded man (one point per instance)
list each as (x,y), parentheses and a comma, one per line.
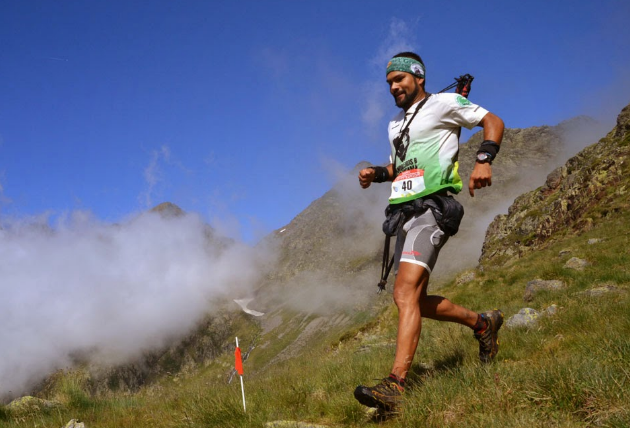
(424,143)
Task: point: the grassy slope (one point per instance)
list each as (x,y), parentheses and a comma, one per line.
(572,370)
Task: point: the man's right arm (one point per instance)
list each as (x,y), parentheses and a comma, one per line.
(481,175)
(367,175)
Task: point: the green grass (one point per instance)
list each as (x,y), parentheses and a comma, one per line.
(571,370)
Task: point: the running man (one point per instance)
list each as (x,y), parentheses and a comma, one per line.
(424,140)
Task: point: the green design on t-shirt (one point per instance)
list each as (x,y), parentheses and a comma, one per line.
(426,156)
(463,101)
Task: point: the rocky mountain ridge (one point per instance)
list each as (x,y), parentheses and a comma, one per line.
(589,187)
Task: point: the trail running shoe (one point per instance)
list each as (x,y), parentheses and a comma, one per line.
(488,340)
(385,395)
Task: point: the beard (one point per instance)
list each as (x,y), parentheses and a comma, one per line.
(408,99)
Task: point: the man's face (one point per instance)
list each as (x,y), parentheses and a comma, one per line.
(405,88)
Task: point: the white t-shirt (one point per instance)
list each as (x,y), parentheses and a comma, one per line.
(429,163)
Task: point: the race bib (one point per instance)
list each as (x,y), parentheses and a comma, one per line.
(407,184)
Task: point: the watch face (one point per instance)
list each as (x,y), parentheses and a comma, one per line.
(482,157)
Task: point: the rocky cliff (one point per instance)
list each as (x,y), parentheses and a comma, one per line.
(588,188)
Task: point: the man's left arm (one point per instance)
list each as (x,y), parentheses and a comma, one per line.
(482,173)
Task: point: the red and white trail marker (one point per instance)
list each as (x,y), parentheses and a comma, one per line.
(238,365)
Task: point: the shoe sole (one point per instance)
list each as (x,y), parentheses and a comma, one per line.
(365,397)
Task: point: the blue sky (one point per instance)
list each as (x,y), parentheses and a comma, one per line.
(245,111)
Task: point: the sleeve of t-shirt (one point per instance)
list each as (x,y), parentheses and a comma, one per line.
(459,111)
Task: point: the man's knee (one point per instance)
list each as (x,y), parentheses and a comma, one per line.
(404,296)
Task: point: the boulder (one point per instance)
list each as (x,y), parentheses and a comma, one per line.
(601,290)
(28,404)
(526,317)
(465,278)
(292,424)
(551,310)
(74,423)
(576,263)
(539,284)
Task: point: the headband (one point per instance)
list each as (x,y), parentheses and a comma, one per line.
(408,65)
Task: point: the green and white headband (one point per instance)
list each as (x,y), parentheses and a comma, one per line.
(408,65)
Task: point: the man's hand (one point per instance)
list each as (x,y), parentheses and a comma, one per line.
(366,176)
(480,177)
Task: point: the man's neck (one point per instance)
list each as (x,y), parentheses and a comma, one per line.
(421,95)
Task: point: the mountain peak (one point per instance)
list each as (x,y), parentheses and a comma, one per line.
(168,209)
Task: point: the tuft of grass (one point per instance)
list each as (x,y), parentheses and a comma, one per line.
(4,413)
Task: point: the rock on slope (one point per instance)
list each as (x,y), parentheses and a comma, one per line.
(589,186)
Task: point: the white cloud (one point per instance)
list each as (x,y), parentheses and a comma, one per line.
(155,174)
(376,97)
(110,291)
(399,38)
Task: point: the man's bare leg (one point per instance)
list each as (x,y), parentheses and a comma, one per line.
(410,296)
(413,303)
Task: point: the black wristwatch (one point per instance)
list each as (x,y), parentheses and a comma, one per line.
(484,157)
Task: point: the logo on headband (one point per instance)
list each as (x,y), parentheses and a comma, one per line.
(416,69)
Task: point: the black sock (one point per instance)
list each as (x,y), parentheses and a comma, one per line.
(480,325)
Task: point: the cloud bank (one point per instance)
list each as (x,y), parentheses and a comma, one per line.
(110,291)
